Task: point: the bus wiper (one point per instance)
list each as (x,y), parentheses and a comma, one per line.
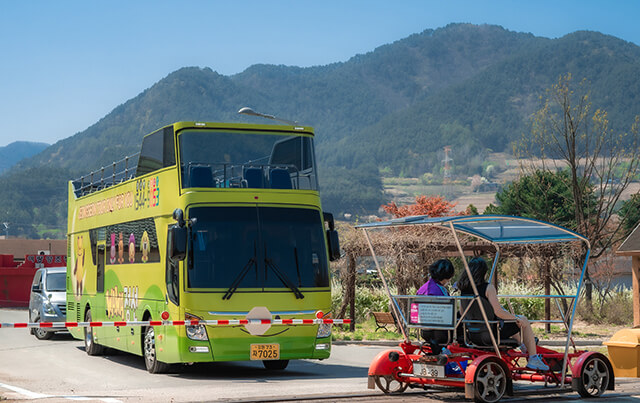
(283,277)
(238,279)
(295,255)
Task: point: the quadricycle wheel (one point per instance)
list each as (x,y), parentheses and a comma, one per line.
(594,377)
(390,385)
(490,382)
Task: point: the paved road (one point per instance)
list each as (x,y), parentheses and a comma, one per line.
(59,370)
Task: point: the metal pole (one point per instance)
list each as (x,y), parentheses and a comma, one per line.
(475,290)
(386,287)
(573,314)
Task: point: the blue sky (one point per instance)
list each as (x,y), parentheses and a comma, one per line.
(66,64)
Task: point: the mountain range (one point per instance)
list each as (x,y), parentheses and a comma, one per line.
(471,87)
(18,150)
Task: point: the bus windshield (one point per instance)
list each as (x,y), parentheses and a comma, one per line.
(213,158)
(257,247)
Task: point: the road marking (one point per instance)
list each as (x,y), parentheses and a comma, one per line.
(24,392)
(34,395)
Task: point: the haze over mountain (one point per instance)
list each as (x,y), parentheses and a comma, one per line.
(472,87)
(18,150)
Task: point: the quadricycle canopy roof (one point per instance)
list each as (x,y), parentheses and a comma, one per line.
(492,228)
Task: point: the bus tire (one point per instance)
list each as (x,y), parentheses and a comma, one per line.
(149,351)
(277,365)
(90,346)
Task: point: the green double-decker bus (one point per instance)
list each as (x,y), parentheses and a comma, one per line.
(211,221)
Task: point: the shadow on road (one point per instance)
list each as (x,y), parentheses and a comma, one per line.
(243,370)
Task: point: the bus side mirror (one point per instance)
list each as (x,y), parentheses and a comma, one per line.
(332,237)
(334,244)
(177,242)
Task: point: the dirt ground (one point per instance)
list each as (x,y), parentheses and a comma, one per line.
(581,331)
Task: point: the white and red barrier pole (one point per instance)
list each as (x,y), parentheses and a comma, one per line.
(225,322)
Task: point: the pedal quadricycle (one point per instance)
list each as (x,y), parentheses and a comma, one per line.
(460,344)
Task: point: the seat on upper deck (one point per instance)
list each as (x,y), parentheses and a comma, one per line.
(201,177)
(279,178)
(253,177)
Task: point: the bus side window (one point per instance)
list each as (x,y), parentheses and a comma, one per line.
(172,274)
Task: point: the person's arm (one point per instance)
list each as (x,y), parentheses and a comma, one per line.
(500,312)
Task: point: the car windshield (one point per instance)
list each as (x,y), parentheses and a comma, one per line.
(222,159)
(257,247)
(56,281)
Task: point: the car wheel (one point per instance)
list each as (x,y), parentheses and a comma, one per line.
(40,333)
(90,346)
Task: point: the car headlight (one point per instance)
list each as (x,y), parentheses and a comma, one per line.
(48,308)
(195,332)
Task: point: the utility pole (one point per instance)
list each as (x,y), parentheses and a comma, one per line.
(446,181)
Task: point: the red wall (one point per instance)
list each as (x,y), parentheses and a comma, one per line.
(16,278)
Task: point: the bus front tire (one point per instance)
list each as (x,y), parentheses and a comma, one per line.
(278,365)
(90,346)
(150,357)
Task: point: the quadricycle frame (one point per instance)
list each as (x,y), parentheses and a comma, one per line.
(485,372)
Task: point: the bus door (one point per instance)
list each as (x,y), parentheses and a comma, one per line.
(100,253)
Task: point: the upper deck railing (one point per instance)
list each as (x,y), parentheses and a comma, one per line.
(253,174)
(119,171)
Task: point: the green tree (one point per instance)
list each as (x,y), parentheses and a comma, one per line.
(630,211)
(567,135)
(543,195)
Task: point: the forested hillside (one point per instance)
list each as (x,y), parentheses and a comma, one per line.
(392,109)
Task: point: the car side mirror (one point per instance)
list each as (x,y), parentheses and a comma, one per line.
(36,288)
(177,242)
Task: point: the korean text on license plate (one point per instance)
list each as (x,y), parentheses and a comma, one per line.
(428,370)
(265,351)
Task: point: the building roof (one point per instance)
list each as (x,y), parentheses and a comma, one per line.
(631,245)
(19,247)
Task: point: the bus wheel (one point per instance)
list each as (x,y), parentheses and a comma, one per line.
(90,346)
(275,364)
(40,333)
(150,358)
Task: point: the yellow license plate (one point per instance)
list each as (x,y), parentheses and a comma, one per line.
(265,351)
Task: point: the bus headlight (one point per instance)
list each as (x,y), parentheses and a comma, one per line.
(324,330)
(197,332)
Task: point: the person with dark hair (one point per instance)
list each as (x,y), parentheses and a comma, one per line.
(441,273)
(520,330)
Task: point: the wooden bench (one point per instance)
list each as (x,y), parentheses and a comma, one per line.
(383,319)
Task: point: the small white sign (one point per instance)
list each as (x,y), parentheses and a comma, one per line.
(435,314)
